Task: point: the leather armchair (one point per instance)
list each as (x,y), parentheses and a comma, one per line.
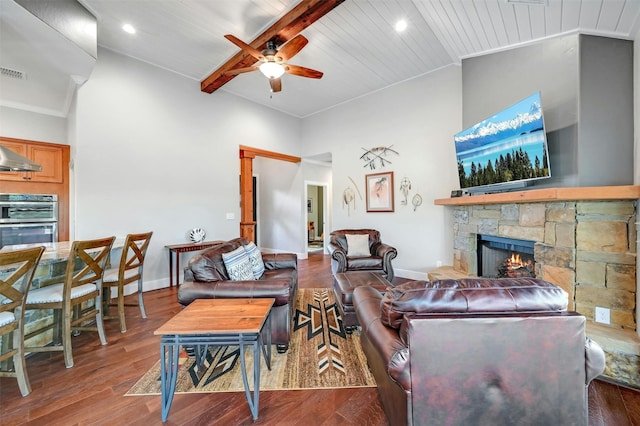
(206,278)
(478,351)
(379,260)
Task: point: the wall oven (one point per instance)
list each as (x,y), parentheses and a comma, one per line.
(28,219)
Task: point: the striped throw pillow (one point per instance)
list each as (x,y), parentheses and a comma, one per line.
(238,265)
(255,257)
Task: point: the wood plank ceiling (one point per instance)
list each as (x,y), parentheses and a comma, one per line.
(355,45)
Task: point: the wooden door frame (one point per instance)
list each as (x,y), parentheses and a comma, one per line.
(247,154)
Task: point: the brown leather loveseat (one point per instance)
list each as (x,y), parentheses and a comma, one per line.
(377,258)
(206,277)
(478,351)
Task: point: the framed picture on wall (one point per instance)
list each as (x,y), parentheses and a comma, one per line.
(309,205)
(379,191)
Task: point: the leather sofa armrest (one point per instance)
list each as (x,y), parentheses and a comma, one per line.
(594,360)
(392,352)
(338,257)
(192,290)
(188,274)
(387,253)
(280,260)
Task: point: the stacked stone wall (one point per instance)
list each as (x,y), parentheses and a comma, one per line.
(586,248)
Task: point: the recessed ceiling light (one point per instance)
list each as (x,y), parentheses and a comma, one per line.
(401,25)
(128,28)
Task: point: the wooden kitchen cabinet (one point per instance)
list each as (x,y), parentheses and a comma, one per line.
(49,156)
(53,179)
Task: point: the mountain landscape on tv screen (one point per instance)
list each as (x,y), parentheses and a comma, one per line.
(509,146)
(499,127)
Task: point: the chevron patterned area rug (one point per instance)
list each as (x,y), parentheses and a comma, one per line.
(320,355)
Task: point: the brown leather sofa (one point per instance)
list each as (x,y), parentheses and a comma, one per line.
(478,351)
(206,278)
(379,259)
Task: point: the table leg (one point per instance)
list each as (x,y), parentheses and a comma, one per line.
(253,401)
(266,348)
(201,352)
(170,268)
(177,268)
(168,374)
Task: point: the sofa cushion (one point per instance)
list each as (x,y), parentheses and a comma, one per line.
(364,263)
(470,295)
(255,257)
(208,265)
(238,265)
(358,245)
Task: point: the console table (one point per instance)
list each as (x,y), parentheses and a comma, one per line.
(183,248)
(207,322)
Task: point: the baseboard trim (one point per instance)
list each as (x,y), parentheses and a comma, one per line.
(411,275)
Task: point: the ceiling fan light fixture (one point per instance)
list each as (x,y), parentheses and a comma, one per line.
(271,69)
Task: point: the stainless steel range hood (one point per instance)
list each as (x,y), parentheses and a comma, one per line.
(13,162)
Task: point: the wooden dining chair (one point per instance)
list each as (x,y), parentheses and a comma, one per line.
(16,272)
(76,300)
(129,271)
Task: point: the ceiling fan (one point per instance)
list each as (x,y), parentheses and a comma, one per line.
(273,60)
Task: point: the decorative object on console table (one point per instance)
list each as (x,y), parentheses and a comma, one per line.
(183,248)
(379,191)
(197,235)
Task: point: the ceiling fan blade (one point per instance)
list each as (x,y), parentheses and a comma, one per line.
(276,84)
(241,70)
(302,71)
(291,48)
(244,46)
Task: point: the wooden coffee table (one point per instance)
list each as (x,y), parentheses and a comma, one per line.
(214,322)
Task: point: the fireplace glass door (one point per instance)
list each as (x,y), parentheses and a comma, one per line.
(500,257)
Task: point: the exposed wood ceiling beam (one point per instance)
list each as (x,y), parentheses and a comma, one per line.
(297,19)
(249,152)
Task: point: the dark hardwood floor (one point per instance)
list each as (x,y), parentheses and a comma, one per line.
(92,392)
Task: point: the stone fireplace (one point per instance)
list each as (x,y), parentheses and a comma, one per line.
(582,239)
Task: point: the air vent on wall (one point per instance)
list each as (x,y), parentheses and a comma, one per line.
(8,72)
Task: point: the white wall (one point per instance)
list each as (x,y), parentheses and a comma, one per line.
(20,124)
(279,209)
(418,118)
(155,153)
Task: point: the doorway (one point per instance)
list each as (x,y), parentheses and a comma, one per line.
(316,196)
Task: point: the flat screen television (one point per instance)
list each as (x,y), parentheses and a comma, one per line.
(507,151)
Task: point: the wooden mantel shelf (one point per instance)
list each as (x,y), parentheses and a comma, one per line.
(625,192)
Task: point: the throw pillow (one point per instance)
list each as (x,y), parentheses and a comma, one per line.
(358,245)
(238,265)
(255,257)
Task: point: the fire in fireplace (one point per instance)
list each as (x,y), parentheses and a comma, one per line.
(500,257)
(515,266)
